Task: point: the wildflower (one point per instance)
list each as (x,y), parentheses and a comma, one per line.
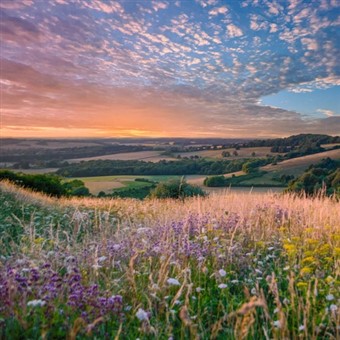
(306,271)
(253,291)
(277,324)
(199,289)
(36,303)
(330,297)
(302,285)
(301,328)
(142,314)
(333,308)
(222,272)
(102,258)
(258,271)
(222,286)
(234,281)
(173,282)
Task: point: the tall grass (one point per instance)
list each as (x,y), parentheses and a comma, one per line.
(231,266)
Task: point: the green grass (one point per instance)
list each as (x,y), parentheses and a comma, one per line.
(236,266)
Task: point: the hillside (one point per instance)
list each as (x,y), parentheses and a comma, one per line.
(227,266)
(296,166)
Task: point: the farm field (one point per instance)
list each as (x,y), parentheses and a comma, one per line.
(150,156)
(296,166)
(329,146)
(109,183)
(228,266)
(242,153)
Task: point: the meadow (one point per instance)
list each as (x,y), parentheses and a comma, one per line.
(231,266)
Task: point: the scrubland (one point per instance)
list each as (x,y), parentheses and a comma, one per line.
(231,266)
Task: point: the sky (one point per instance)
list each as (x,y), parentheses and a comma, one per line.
(176,68)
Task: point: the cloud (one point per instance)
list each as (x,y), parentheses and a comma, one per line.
(234,31)
(17,30)
(328,113)
(218,10)
(119,66)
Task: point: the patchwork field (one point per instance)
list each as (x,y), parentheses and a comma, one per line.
(296,166)
(109,183)
(242,153)
(231,266)
(150,156)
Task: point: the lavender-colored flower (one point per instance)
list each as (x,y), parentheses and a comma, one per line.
(173,282)
(142,315)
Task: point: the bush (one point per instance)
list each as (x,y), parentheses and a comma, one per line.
(175,188)
(215,181)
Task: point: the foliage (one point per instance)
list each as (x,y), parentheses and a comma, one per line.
(132,167)
(176,188)
(48,184)
(215,181)
(325,175)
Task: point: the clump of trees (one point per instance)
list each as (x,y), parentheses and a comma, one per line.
(133,167)
(47,183)
(322,176)
(176,188)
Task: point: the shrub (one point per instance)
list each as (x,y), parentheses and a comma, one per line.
(176,188)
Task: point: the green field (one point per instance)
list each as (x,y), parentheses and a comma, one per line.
(108,184)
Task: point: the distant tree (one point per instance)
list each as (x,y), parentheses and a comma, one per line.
(176,189)
(235,153)
(215,181)
(253,154)
(225,154)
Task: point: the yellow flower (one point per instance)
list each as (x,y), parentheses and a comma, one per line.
(337,251)
(260,244)
(39,240)
(309,260)
(311,242)
(302,285)
(290,249)
(329,279)
(308,253)
(306,271)
(296,239)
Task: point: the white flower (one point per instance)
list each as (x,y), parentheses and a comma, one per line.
(222,272)
(253,291)
(222,286)
(286,301)
(330,297)
(102,258)
(333,308)
(258,271)
(36,303)
(142,314)
(301,328)
(173,282)
(199,289)
(277,324)
(234,281)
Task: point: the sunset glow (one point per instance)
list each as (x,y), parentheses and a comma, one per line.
(190,68)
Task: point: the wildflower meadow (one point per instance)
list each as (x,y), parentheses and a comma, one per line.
(226,266)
